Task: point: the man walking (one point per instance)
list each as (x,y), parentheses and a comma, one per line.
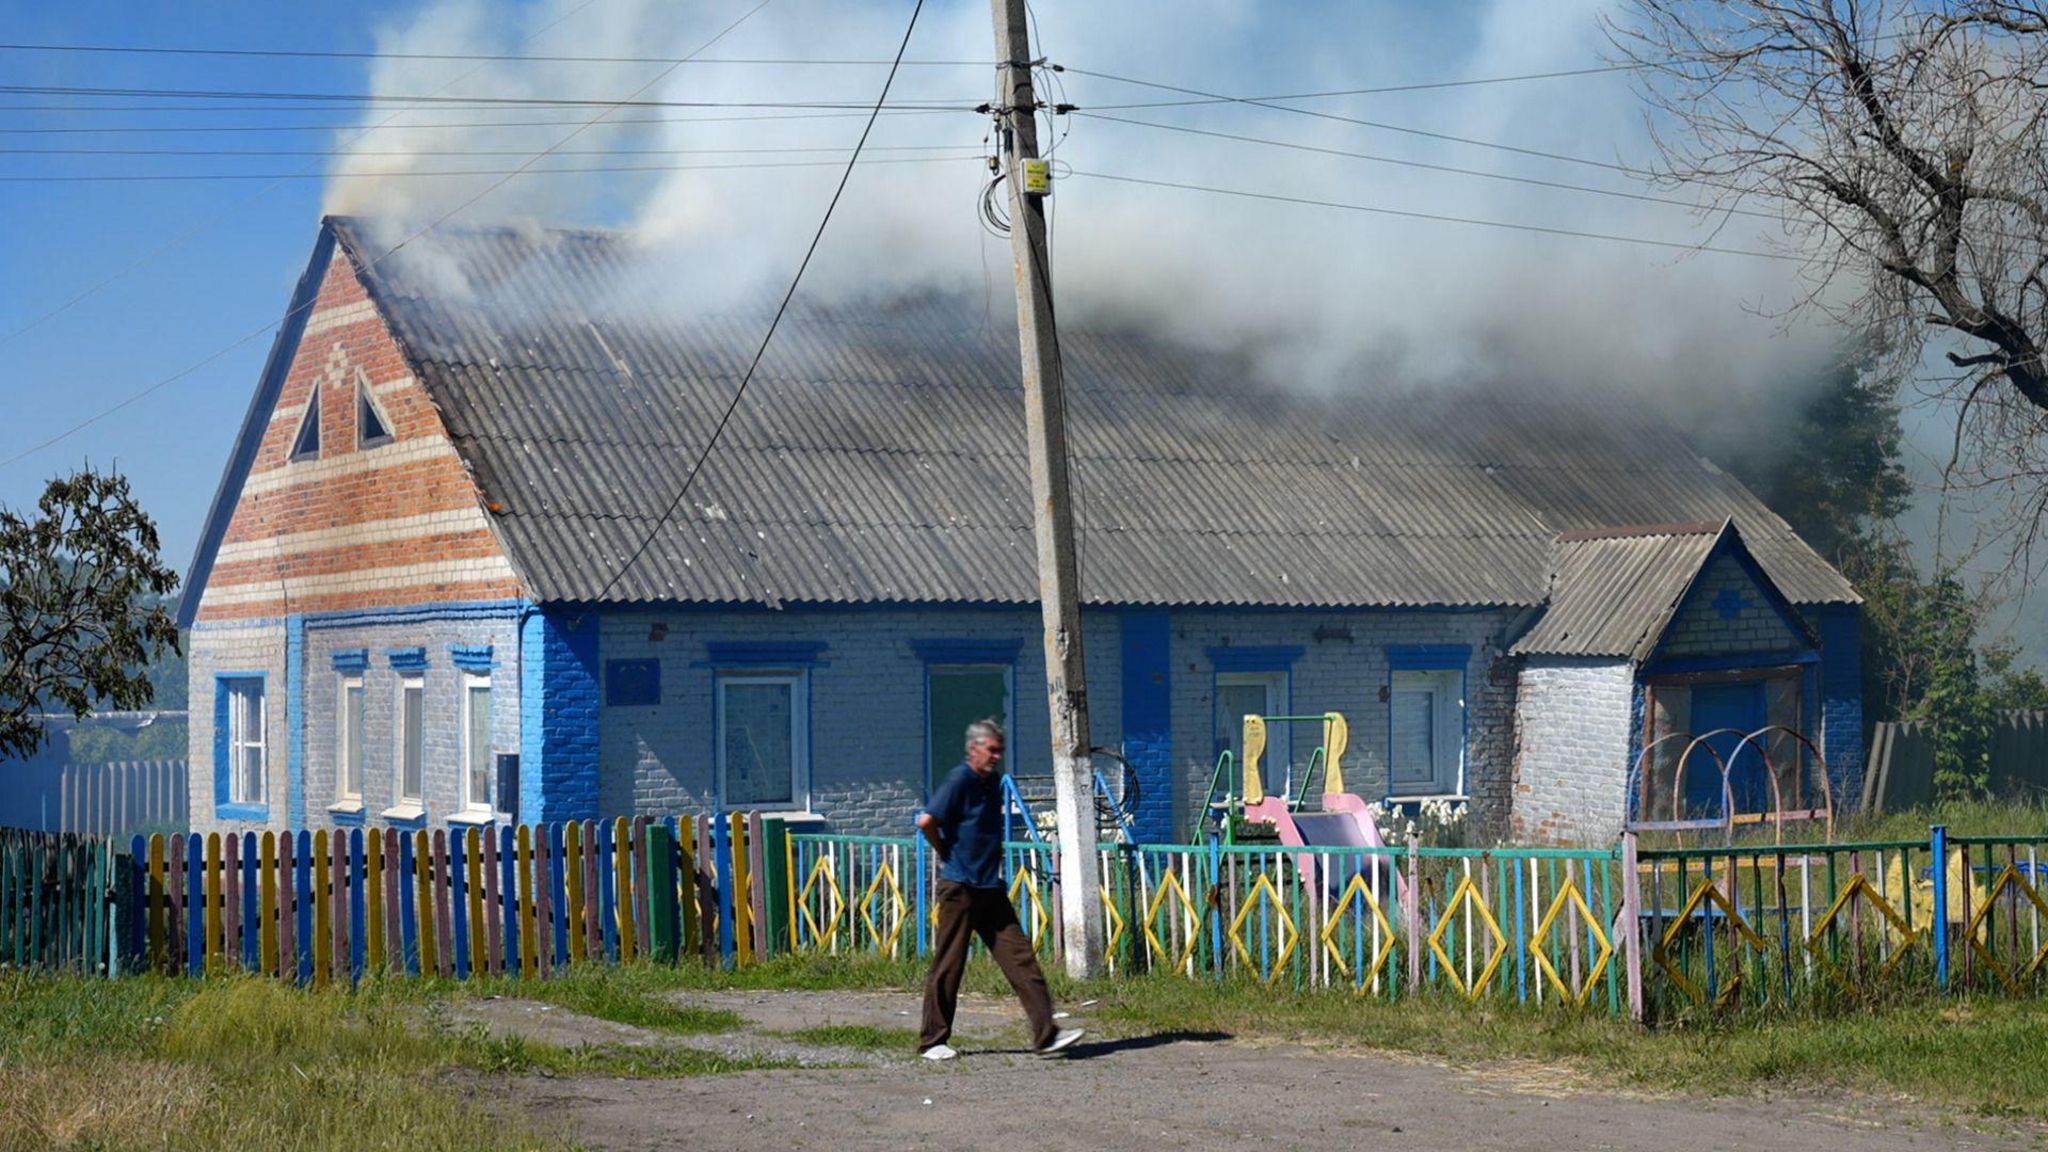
(964,823)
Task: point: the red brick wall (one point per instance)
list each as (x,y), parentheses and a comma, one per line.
(396,524)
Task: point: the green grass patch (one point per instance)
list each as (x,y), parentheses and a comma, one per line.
(630,994)
(864,1037)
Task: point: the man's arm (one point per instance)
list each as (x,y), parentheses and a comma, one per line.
(929,825)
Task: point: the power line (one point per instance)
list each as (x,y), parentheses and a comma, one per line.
(1268,103)
(1405,214)
(488,57)
(181,238)
(1378,90)
(738,393)
(139,129)
(372,99)
(1558,184)
(353,152)
(967,153)
(136,396)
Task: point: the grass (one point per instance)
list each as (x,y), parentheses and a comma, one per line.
(861,1037)
(1963,818)
(246,1062)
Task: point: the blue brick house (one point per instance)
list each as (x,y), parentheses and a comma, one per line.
(486,584)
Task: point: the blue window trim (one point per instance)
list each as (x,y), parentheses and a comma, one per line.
(223,808)
(346,817)
(622,677)
(469,657)
(407,659)
(763,654)
(1266,658)
(1284,731)
(352,660)
(967,651)
(1428,657)
(1433,658)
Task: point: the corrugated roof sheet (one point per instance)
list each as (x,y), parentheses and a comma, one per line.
(1613,595)
(879,453)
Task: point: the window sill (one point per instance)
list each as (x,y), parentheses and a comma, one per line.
(1419,797)
(255,813)
(348,813)
(473,819)
(411,815)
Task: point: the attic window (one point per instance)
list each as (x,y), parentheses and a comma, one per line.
(371,427)
(307,446)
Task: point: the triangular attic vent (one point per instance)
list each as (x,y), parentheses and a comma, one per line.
(371,427)
(307,446)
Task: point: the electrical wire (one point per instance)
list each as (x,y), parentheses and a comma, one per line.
(141,129)
(187,234)
(354,152)
(1377,90)
(205,177)
(1448,168)
(374,100)
(740,392)
(139,394)
(488,57)
(1409,215)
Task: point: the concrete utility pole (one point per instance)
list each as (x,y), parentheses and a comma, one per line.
(1059,582)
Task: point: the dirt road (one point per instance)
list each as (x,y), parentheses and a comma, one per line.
(1159,1092)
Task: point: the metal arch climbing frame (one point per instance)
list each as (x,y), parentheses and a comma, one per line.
(1729,818)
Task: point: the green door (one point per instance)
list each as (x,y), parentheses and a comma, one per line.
(956,695)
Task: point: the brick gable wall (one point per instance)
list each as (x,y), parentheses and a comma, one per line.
(397,524)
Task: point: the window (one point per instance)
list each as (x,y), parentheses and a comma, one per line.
(307,445)
(763,739)
(476,743)
(957,695)
(245,740)
(1239,694)
(371,427)
(348,760)
(1427,723)
(412,707)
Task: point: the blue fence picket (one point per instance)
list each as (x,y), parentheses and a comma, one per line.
(408,914)
(458,888)
(558,890)
(358,907)
(194,926)
(721,851)
(302,903)
(508,893)
(607,891)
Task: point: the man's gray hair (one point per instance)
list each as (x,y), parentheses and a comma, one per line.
(982,730)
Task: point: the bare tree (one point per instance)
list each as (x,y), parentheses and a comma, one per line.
(1906,147)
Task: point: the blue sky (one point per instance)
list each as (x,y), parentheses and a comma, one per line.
(1338,296)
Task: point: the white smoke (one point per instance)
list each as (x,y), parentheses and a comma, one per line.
(1333,298)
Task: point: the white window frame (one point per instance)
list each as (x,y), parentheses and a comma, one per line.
(365,395)
(799,682)
(344,749)
(1277,764)
(239,739)
(475,805)
(406,682)
(1447,771)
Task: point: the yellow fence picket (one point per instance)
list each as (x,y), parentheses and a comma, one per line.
(213,906)
(742,905)
(622,892)
(523,876)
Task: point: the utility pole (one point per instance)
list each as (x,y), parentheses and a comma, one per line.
(1052,510)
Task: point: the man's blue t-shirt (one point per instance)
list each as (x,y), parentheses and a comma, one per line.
(969,809)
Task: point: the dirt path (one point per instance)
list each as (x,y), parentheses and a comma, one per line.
(1155,1092)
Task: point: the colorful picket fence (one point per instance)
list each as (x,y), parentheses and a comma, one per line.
(1528,924)
(59,897)
(530,901)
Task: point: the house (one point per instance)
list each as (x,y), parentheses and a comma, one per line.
(456,570)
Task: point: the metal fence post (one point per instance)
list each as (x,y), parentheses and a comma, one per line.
(1632,924)
(1214,896)
(924,925)
(1938,846)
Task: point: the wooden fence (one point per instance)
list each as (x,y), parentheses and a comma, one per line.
(57,896)
(1899,772)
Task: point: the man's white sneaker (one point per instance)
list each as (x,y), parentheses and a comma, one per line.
(1061,1041)
(940,1052)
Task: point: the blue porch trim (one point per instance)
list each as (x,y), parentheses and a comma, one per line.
(295,720)
(415,613)
(1148,719)
(1255,658)
(1738,663)
(967,651)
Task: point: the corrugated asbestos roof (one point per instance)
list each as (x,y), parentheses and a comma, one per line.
(1614,594)
(879,453)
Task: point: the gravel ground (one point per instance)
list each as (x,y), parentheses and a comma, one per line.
(1150,1092)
